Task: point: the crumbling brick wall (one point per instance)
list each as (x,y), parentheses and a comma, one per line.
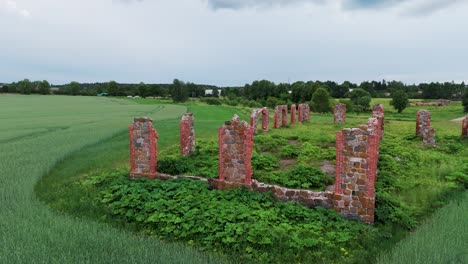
(143,148)
(465,127)
(378,112)
(187,134)
(304,112)
(235,152)
(339,113)
(293,113)
(356,167)
(265,119)
(281,111)
(428,134)
(423,120)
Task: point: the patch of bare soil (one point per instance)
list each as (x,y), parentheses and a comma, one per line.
(286,164)
(292,142)
(328,168)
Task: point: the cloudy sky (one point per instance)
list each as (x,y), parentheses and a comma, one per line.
(233,42)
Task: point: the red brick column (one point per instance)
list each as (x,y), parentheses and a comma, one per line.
(307,112)
(339,113)
(276,122)
(423,120)
(300,109)
(293,114)
(235,152)
(465,127)
(265,119)
(284,115)
(187,134)
(357,156)
(143,148)
(378,112)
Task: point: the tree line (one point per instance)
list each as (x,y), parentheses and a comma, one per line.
(260,92)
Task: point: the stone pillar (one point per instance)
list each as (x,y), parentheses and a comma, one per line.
(254,120)
(187,134)
(356,166)
(265,119)
(293,113)
(281,110)
(465,127)
(428,134)
(235,151)
(339,113)
(423,120)
(304,112)
(378,112)
(143,148)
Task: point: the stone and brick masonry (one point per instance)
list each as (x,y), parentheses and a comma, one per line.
(143,148)
(423,120)
(187,134)
(339,113)
(293,113)
(465,127)
(235,152)
(356,165)
(265,119)
(304,112)
(378,113)
(281,111)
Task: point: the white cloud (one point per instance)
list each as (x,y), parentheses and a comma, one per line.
(12,7)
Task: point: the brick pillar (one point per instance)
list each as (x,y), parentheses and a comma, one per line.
(423,120)
(187,134)
(428,134)
(265,119)
(293,113)
(143,148)
(300,109)
(284,115)
(356,161)
(307,112)
(465,127)
(254,120)
(235,151)
(276,122)
(339,113)
(378,112)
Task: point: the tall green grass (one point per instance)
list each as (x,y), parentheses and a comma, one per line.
(442,238)
(36,134)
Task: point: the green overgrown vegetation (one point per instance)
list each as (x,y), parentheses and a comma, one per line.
(412,182)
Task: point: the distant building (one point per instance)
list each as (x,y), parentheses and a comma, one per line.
(210,92)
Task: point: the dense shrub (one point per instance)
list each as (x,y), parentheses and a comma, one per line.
(246,224)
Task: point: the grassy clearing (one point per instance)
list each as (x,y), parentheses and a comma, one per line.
(442,238)
(37,133)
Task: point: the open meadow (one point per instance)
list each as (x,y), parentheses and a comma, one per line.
(66,195)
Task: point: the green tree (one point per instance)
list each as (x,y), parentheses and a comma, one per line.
(112,88)
(399,100)
(73,88)
(44,87)
(178,90)
(361,100)
(465,100)
(24,87)
(143,90)
(321,101)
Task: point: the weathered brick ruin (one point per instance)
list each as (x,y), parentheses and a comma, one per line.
(423,120)
(378,113)
(235,151)
(424,129)
(357,153)
(281,110)
(143,148)
(265,119)
(187,134)
(339,113)
(304,112)
(293,113)
(465,127)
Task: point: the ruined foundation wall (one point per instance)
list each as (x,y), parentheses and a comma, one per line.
(235,151)
(143,148)
(339,113)
(187,134)
(423,120)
